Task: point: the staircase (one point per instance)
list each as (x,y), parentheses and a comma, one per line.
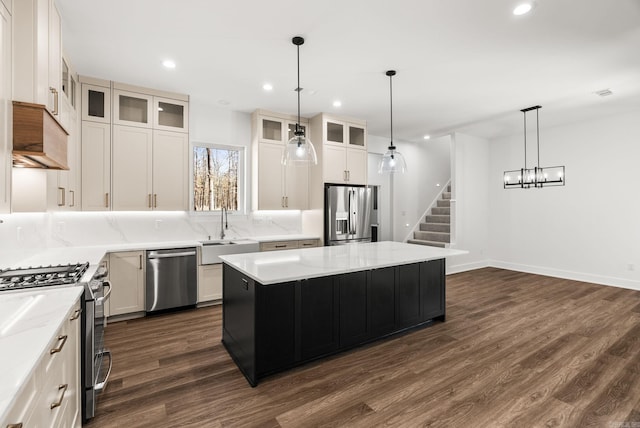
(436,229)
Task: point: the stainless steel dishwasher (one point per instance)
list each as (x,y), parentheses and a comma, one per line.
(171,279)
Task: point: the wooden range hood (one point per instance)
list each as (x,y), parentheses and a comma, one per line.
(39,141)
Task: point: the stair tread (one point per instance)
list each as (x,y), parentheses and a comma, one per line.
(429,243)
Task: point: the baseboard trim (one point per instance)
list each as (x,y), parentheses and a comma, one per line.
(565,274)
(467,267)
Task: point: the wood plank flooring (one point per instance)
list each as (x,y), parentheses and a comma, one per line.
(517,350)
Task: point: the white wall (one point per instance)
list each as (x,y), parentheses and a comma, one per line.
(470,202)
(587,230)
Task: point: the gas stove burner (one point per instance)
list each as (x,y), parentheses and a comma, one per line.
(43,276)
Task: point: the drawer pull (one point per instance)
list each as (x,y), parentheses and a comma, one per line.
(18,425)
(245,284)
(76,315)
(59,348)
(62,388)
(281,246)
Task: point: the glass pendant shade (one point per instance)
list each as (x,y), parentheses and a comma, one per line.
(392,162)
(299,149)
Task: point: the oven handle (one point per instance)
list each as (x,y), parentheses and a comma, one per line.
(100,300)
(98,387)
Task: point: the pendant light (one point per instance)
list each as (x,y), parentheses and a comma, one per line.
(299,149)
(537,176)
(392,161)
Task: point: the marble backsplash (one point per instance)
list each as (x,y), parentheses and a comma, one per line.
(21,234)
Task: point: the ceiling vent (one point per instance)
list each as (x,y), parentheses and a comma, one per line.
(604,92)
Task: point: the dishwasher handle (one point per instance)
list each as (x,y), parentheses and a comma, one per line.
(159,255)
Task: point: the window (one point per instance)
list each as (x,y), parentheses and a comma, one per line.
(217,177)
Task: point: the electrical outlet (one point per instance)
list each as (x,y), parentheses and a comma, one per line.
(19,233)
(157,224)
(60,226)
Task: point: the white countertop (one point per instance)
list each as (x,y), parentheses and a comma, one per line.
(271,238)
(291,265)
(28,321)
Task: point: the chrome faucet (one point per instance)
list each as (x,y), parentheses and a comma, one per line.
(224,221)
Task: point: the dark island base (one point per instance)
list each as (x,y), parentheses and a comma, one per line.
(272,328)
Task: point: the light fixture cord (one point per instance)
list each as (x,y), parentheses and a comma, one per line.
(525,140)
(298,90)
(538,134)
(391,108)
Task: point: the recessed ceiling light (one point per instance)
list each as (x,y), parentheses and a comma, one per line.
(337,103)
(426,137)
(169,63)
(522,9)
(267,87)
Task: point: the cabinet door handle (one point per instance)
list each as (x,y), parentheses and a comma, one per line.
(282,202)
(348,175)
(62,388)
(76,315)
(18,425)
(54,91)
(245,284)
(140,265)
(73,198)
(155,200)
(61,201)
(59,348)
(149,200)
(286,202)
(106,200)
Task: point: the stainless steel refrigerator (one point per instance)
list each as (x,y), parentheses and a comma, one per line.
(348,212)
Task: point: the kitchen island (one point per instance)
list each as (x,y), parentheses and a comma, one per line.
(286,308)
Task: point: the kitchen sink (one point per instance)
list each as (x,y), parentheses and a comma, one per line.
(211,250)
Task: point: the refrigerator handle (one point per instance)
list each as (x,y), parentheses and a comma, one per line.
(352,217)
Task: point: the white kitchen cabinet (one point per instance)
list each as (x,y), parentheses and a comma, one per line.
(150,169)
(37,37)
(344,149)
(126,274)
(275,186)
(96,166)
(6,142)
(51,396)
(170,187)
(209,282)
(132,109)
(96,101)
(132,168)
(170,114)
(289,244)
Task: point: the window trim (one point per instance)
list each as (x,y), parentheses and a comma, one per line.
(242,176)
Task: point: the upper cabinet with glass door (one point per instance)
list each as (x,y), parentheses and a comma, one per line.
(170,114)
(96,100)
(132,109)
(344,133)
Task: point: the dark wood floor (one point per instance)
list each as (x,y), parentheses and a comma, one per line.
(517,350)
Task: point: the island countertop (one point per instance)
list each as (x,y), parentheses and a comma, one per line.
(291,265)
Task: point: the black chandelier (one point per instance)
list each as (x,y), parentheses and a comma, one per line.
(525,178)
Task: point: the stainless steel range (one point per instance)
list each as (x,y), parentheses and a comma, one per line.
(95,369)
(14,279)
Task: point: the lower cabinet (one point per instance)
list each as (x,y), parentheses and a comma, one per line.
(126,274)
(51,396)
(268,328)
(318,317)
(209,282)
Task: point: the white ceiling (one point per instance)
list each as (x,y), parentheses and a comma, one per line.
(463,65)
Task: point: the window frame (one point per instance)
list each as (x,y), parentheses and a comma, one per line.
(242,171)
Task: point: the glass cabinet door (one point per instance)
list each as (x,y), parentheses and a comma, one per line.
(334,132)
(356,136)
(132,109)
(271,130)
(171,115)
(96,103)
